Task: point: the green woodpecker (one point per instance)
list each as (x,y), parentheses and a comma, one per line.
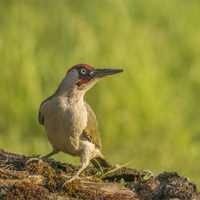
(70,123)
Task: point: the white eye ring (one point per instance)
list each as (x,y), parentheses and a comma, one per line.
(83,71)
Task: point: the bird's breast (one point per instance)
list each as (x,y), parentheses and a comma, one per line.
(64,123)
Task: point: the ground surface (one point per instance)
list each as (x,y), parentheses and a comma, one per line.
(20,179)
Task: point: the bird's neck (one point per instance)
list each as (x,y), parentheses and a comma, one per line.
(71,93)
(74,96)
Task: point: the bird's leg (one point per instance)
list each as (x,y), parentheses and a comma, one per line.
(39,160)
(84,163)
(55,151)
(85,159)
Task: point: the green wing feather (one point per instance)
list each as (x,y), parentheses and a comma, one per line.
(91,132)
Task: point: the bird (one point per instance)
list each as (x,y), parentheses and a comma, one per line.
(70,123)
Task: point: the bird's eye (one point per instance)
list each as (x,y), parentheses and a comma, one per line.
(83,71)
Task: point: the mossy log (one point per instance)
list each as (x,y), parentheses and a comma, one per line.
(27,177)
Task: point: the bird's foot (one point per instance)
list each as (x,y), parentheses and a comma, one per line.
(151,173)
(34,160)
(73,178)
(37,160)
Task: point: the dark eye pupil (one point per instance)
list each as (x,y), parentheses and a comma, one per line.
(83,71)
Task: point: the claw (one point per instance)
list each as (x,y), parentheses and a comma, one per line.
(34,160)
(151,173)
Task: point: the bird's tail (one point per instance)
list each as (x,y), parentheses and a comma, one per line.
(102,161)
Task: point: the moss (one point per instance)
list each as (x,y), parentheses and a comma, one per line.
(34,168)
(26,190)
(82,175)
(128,174)
(44,169)
(72,189)
(53,179)
(118,196)
(97,180)
(75,190)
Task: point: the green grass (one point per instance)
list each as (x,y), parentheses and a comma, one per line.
(150,113)
(115,169)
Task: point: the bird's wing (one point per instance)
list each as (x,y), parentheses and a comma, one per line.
(41,116)
(91,132)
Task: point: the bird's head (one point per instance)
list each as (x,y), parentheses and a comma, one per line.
(84,76)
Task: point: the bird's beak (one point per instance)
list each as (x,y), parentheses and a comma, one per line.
(100,73)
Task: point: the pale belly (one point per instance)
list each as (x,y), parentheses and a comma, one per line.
(64,125)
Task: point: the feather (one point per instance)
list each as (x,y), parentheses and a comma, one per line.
(91,132)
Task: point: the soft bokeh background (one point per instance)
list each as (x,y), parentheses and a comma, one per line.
(150,113)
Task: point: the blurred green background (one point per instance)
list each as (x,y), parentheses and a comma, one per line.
(150,113)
